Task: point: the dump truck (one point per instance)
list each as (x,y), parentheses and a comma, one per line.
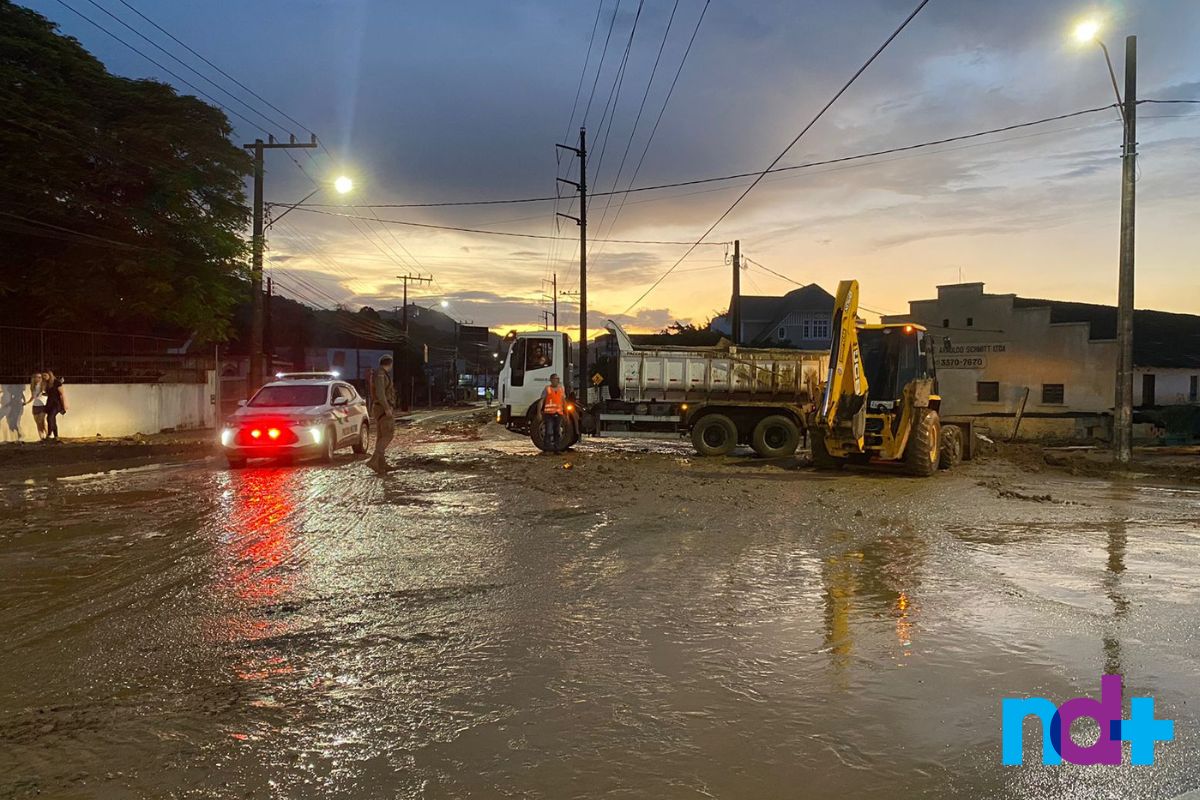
(719,396)
(879,400)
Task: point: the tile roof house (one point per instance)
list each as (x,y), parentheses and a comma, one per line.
(799,319)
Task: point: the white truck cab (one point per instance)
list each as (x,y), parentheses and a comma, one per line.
(532,357)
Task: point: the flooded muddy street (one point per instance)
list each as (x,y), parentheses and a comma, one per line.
(628,620)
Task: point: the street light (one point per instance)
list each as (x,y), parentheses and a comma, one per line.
(1089,30)
(343,184)
(445,304)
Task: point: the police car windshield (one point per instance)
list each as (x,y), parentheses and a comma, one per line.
(283,396)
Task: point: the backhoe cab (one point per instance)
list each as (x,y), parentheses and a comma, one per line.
(880,398)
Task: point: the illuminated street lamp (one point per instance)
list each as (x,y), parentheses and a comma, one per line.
(343,184)
(1089,31)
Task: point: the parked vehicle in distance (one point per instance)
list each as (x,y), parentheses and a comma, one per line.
(298,415)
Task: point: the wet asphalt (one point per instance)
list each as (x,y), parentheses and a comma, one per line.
(671,629)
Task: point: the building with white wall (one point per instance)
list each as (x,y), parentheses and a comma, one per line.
(1052,362)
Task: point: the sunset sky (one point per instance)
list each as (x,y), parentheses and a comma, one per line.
(425,102)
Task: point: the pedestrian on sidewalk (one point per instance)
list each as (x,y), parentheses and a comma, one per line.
(383,413)
(37,398)
(554,402)
(56,403)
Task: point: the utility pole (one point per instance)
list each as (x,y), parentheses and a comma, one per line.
(554,294)
(581,220)
(254,379)
(545,318)
(735,303)
(404,325)
(1123,434)
(268,330)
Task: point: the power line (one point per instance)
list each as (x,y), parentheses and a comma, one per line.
(740,175)
(614,95)
(180,61)
(637,120)
(600,65)
(785,150)
(583,72)
(312,210)
(218,69)
(175,75)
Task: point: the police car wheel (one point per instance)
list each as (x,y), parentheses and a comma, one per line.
(363,443)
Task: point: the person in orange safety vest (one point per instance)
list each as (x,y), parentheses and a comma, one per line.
(554,404)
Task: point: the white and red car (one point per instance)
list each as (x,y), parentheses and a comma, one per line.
(300,414)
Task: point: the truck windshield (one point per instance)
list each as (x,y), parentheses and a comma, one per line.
(289,396)
(890,360)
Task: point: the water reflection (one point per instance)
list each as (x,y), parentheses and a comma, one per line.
(257,558)
(1118,540)
(880,579)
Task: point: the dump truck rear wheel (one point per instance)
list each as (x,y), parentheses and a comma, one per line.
(951,447)
(820,454)
(775,436)
(714,435)
(924,445)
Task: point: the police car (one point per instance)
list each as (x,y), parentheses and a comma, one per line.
(299,414)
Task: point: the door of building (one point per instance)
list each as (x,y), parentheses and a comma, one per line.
(1148,390)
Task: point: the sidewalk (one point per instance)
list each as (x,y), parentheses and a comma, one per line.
(41,459)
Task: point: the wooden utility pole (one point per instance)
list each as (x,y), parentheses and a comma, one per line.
(735,302)
(255,377)
(554,294)
(581,220)
(1123,417)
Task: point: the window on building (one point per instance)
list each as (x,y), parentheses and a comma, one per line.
(1194,388)
(1052,393)
(970,322)
(783,334)
(987,391)
(820,327)
(945,323)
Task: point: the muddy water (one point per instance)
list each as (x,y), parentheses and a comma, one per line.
(485,623)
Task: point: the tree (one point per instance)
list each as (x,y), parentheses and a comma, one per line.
(122,203)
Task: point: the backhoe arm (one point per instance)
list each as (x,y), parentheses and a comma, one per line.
(845,396)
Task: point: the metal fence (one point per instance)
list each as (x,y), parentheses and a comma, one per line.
(96,357)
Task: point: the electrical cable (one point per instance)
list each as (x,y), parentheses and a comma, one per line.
(175,75)
(188,66)
(311,210)
(218,69)
(737,176)
(637,120)
(785,150)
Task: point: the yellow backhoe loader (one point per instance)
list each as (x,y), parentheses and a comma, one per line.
(880,399)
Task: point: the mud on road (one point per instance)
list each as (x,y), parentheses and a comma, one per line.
(627,619)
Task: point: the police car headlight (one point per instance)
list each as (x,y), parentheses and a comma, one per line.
(315,432)
(226,437)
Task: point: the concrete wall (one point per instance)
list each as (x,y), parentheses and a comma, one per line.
(114,409)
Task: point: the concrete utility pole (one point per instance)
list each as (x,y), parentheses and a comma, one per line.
(268,330)
(735,303)
(404,325)
(1123,424)
(554,294)
(581,220)
(254,379)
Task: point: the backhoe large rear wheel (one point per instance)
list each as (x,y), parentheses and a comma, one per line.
(951,447)
(820,454)
(924,444)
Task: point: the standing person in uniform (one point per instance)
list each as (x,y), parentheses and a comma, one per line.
(554,402)
(383,413)
(37,397)
(56,403)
